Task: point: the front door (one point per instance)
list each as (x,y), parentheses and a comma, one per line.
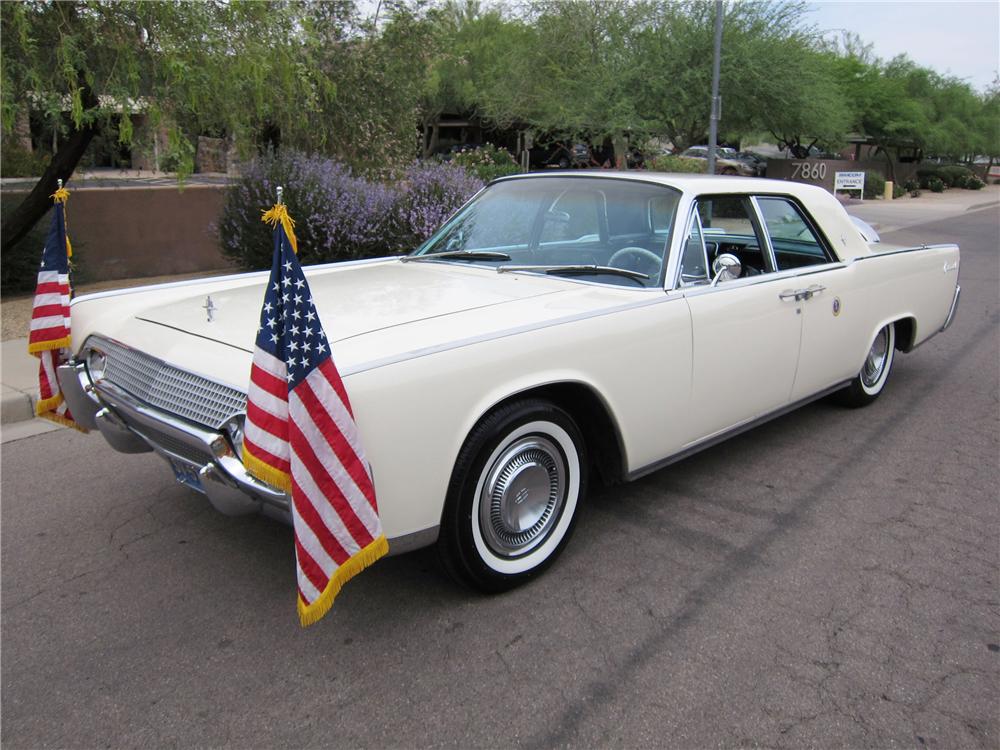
(746,337)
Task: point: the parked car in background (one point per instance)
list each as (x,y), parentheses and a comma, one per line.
(561,155)
(560,328)
(726,161)
(756,161)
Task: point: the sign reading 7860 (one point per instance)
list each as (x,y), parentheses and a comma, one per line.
(809,171)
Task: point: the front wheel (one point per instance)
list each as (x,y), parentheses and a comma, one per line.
(513,495)
(870,382)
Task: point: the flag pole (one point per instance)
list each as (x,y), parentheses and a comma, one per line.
(281,190)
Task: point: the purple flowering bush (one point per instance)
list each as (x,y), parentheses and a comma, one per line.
(338,215)
(428,194)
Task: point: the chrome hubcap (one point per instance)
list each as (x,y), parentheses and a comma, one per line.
(875,361)
(522,496)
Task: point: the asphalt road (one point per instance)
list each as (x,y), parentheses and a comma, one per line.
(827,580)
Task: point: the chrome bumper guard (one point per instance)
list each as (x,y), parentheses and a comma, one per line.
(133,427)
(953,309)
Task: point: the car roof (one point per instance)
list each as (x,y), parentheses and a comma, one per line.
(696,183)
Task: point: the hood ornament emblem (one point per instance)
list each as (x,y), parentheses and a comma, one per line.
(209,308)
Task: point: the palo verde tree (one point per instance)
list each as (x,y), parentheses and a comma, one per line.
(226,66)
(773,78)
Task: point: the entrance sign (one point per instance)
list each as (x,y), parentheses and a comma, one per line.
(849,181)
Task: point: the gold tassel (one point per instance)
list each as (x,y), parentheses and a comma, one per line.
(279,212)
(311,613)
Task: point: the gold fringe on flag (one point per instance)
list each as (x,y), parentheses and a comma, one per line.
(279,213)
(265,472)
(311,613)
(43,346)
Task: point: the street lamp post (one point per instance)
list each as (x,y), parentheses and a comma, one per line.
(713,123)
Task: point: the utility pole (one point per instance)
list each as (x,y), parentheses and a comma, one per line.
(713,123)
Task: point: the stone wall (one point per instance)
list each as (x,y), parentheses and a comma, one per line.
(821,171)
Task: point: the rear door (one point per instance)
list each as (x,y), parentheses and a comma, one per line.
(803,257)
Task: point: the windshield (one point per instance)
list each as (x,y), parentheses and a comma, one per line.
(580,226)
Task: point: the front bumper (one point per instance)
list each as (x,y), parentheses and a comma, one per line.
(131,426)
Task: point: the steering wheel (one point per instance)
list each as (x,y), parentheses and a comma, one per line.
(640,254)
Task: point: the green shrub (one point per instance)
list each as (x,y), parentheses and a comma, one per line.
(954,175)
(672,163)
(910,185)
(18,162)
(935,185)
(874,185)
(487,162)
(974,183)
(898,191)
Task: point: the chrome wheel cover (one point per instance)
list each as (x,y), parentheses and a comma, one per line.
(521,499)
(876,359)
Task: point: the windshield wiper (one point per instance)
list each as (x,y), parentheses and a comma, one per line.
(585,270)
(463,254)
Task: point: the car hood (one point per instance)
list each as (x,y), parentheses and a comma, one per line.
(354,299)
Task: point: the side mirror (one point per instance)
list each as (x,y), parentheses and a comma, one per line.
(726,268)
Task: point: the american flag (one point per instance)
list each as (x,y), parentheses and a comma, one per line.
(300,435)
(49,337)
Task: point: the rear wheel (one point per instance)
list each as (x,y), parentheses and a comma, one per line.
(870,382)
(513,495)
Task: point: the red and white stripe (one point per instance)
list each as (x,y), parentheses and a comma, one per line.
(50,312)
(312,437)
(265,434)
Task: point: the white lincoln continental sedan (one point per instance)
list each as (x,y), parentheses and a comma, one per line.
(557,329)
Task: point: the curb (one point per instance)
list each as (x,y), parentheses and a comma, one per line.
(16,406)
(990,204)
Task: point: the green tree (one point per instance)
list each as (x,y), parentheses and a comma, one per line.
(225,66)
(774,77)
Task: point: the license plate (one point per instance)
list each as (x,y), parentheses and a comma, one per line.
(187,475)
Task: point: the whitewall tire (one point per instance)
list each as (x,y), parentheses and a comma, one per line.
(513,497)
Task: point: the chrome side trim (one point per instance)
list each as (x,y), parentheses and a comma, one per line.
(657,299)
(914,249)
(720,437)
(248,277)
(399,545)
(952,310)
(764,278)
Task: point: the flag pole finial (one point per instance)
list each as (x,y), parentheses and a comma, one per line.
(280,191)
(59,182)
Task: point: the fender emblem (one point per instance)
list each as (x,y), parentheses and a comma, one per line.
(209,308)
(836,306)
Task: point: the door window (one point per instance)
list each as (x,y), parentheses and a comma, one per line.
(694,261)
(728,225)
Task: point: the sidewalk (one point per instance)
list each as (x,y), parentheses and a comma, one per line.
(905,212)
(19,370)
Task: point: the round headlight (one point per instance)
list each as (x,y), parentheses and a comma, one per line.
(97,363)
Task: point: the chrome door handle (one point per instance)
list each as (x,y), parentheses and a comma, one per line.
(801,294)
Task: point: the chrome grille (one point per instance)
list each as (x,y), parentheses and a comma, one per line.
(173,446)
(169,388)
